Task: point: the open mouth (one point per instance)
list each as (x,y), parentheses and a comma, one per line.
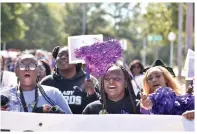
(27,75)
(156,85)
(111,87)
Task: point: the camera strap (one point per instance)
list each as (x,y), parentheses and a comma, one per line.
(23,99)
(48,99)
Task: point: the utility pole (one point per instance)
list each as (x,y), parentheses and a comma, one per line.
(4,46)
(84,16)
(171,38)
(144,52)
(180,23)
(189,27)
(156,49)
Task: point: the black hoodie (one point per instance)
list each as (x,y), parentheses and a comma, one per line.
(73,89)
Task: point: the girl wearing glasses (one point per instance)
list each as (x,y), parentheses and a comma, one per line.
(29,96)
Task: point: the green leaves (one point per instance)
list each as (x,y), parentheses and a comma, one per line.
(13,27)
(45,25)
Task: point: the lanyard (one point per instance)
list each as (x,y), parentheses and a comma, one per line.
(23,100)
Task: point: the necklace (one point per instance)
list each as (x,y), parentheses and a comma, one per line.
(34,105)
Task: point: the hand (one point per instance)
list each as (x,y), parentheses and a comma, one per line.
(4,108)
(145,102)
(89,86)
(46,108)
(56,109)
(189,115)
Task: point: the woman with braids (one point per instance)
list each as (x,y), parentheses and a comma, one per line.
(117,95)
(70,79)
(29,96)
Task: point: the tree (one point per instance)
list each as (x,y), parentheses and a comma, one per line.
(96,22)
(162,18)
(73,19)
(12,25)
(45,30)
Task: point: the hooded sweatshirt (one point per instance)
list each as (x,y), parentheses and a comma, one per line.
(73,89)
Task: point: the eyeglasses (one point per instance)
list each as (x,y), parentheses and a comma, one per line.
(23,67)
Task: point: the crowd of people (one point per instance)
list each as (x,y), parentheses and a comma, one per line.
(47,83)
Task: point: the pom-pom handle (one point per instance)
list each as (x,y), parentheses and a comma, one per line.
(87,72)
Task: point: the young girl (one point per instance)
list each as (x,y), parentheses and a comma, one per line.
(70,79)
(158,78)
(136,67)
(117,95)
(28,95)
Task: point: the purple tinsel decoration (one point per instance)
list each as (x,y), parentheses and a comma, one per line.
(163,100)
(166,102)
(182,104)
(100,55)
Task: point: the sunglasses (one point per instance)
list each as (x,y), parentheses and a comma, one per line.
(30,66)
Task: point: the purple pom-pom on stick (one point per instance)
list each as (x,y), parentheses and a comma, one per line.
(100,55)
(87,72)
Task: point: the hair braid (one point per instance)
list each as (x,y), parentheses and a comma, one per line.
(55,51)
(129,88)
(103,96)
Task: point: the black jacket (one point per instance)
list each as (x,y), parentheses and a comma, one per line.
(122,106)
(73,89)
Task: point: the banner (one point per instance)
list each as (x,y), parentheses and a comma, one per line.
(75,42)
(9,79)
(19,121)
(189,65)
(123,43)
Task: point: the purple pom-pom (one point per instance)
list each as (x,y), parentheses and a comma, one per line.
(182,104)
(163,100)
(100,56)
(166,102)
